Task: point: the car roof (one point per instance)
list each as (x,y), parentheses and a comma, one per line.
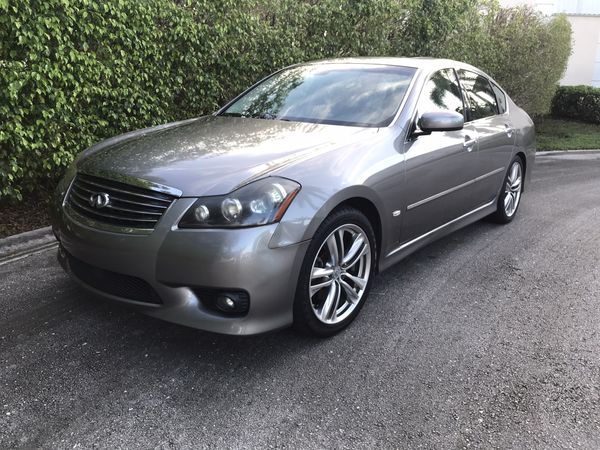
(426,63)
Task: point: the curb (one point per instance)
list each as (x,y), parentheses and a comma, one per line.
(13,248)
(566,152)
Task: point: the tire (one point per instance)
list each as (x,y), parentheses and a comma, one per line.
(510,195)
(342,256)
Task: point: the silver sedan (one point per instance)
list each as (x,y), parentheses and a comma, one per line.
(282,206)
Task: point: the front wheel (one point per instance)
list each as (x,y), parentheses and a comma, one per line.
(510,197)
(336,274)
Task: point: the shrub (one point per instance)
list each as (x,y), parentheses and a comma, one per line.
(75,72)
(524,51)
(577,103)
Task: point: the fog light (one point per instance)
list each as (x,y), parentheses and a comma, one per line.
(230,303)
(225,303)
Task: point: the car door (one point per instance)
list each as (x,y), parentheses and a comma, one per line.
(439,167)
(487,113)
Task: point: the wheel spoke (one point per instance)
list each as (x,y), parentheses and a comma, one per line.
(516,185)
(317,287)
(514,173)
(340,241)
(357,249)
(350,292)
(336,301)
(321,272)
(330,305)
(507,201)
(359,282)
(333,250)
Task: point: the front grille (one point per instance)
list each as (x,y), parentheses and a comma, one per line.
(124,286)
(128,206)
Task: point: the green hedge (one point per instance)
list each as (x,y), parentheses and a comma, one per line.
(577,103)
(73,72)
(526,53)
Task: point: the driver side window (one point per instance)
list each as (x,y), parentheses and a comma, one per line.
(441,93)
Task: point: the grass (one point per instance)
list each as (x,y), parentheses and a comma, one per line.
(559,134)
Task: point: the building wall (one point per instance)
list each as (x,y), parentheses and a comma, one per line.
(576,6)
(546,7)
(584,63)
(584,15)
(589,7)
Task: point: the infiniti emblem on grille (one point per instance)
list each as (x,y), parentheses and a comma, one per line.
(99,200)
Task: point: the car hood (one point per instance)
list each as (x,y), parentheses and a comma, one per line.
(212,155)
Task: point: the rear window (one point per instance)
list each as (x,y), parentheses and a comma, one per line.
(482,101)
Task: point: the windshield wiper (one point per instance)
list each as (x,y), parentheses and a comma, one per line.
(232,114)
(264,116)
(272,117)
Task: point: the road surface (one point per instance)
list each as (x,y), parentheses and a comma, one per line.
(487,338)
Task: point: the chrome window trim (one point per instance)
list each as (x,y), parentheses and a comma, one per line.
(453,189)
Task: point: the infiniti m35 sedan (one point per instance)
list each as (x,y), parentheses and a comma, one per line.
(281,207)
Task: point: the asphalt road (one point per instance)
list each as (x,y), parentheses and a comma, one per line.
(487,338)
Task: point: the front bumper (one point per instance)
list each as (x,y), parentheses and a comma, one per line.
(179,263)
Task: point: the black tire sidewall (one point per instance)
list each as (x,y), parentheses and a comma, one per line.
(304,317)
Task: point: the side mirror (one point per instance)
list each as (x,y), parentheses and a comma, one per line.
(441,121)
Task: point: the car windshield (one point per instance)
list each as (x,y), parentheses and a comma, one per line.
(337,94)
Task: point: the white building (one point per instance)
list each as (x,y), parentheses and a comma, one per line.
(584,15)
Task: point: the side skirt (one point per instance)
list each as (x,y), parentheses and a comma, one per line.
(413,245)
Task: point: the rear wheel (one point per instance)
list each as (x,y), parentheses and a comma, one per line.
(336,274)
(510,197)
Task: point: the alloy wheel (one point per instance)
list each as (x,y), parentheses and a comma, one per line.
(512,191)
(340,274)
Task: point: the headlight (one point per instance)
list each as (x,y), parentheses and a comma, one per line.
(258,203)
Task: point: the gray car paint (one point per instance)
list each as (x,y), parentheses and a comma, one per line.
(384,171)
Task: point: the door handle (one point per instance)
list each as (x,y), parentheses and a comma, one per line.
(509,130)
(469,143)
